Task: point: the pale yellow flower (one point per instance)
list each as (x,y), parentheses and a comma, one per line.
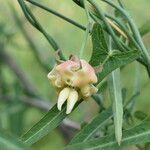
(73,80)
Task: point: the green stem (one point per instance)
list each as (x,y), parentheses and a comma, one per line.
(135,32)
(22,5)
(87,31)
(120,3)
(85,40)
(109,28)
(57,14)
(31,18)
(87,11)
(124,30)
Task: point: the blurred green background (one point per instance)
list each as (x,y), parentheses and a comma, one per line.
(13,41)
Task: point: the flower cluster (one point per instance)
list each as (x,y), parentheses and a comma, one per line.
(73,80)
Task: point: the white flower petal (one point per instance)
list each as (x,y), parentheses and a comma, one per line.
(73,98)
(63,95)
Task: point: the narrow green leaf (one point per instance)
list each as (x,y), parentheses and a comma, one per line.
(117,106)
(32,19)
(8,142)
(60,15)
(116,61)
(50,121)
(100,49)
(87,132)
(137,135)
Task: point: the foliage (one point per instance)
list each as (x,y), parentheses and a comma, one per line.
(117,42)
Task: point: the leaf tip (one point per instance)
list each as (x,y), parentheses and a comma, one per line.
(119,140)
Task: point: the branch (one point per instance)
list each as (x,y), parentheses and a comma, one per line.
(57,14)
(32,19)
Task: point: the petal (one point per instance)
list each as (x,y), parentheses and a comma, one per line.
(51,76)
(67,65)
(89,70)
(63,95)
(73,98)
(85,91)
(58,82)
(52,73)
(88,90)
